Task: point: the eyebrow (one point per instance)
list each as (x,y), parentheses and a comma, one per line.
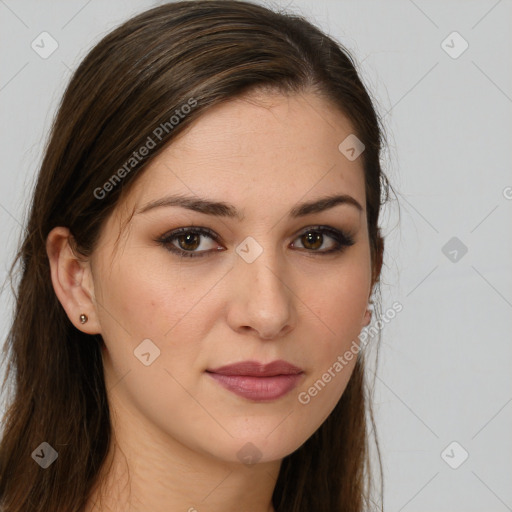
(222,209)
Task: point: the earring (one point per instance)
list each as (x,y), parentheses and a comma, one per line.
(83,318)
(368,313)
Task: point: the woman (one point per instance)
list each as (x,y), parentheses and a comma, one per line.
(202,248)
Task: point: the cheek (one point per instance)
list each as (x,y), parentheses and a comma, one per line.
(149,300)
(338,304)
(151,304)
(143,300)
(340,301)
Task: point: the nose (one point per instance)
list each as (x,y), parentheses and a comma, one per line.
(262,301)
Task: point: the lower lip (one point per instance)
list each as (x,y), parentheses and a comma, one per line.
(258,388)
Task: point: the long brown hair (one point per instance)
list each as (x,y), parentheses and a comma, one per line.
(197,53)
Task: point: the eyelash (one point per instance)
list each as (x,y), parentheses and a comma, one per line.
(342,239)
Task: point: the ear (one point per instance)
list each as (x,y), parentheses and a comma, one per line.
(378,257)
(366,318)
(72,280)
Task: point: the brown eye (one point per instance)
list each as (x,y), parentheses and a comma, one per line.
(312,240)
(189,242)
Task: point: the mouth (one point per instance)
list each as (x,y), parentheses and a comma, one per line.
(256,381)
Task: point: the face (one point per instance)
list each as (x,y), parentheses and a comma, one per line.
(268,281)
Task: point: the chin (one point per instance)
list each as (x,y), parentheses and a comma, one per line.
(257,448)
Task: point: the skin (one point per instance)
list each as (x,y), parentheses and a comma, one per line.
(176,429)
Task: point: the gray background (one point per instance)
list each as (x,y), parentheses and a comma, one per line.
(444,370)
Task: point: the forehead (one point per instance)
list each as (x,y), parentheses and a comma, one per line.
(261,127)
(262,146)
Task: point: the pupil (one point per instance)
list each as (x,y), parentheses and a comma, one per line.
(194,242)
(314,240)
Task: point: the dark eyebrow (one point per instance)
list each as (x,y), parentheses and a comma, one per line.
(221,209)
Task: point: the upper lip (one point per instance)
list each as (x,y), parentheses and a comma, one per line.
(256,369)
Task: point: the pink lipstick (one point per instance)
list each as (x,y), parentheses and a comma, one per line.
(256,381)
